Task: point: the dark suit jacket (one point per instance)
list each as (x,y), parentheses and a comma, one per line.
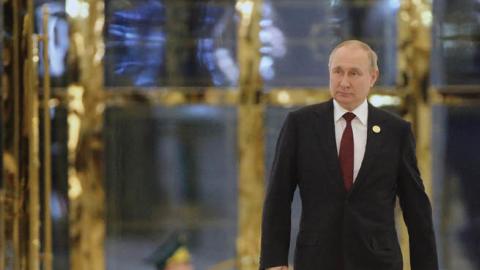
(354,230)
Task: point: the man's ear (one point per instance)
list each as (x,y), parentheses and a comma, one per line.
(373,77)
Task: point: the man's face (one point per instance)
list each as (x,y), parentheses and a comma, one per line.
(351,76)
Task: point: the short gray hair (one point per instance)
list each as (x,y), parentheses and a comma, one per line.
(372,56)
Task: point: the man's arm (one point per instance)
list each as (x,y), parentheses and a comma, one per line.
(416,208)
(277,207)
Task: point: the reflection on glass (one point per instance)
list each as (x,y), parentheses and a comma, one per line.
(170,43)
(456,47)
(170,171)
(273,45)
(309,29)
(58,33)
(456,186)
(135,43)
(59,199)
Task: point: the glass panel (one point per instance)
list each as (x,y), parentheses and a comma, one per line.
(153,43)
(170,179)
(59,198)
(58,45)
(297,37)
(456,46)
(456,186)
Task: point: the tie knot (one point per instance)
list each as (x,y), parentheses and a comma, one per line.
(349,117)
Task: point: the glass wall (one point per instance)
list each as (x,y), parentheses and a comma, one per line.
(59,198)
(170,174)
(61,70)
(456,187)
(153,43)
(297,37)
(456,51)
(454,73)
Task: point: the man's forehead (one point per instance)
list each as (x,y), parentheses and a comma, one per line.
(356,57)
(338,63)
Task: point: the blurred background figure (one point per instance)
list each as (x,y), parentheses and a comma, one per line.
(172,254)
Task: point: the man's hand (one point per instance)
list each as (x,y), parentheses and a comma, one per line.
(283,267)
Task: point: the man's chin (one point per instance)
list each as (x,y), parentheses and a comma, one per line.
(346,102)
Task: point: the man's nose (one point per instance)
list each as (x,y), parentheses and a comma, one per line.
(344,81)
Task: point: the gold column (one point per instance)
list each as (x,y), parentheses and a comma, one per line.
(414,45)
(17,180)
(21,202)
(47,175)
(85,112)
(31,122)
(32,127)
(250,135)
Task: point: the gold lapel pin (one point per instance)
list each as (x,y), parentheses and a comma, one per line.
(376,129)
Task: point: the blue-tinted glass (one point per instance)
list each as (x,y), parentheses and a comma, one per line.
(170,172)
(135,43)
(302,33)
(456,43)
(59,198)
(153,43)
(58,40)
(455,185)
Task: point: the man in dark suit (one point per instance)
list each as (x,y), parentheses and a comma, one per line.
(350,162)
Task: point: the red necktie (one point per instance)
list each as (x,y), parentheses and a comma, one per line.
(346,152)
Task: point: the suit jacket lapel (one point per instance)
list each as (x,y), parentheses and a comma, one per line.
(325,129)
(374,144)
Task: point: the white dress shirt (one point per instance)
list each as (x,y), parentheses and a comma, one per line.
(359,128)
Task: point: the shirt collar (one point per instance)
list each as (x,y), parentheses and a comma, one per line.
(361,112)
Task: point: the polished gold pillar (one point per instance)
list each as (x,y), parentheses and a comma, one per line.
(250,135)
(414,46)
(14,149)
(31,127)
(85,113)
(21,154)
(47,153)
